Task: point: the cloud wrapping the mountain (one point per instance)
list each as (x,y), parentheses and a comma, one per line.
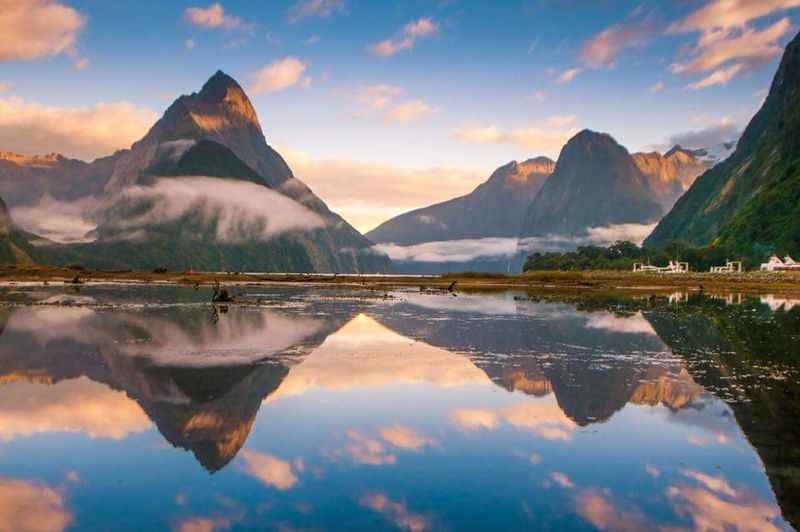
(707,137)
(278,76)
(451,250)
(81,132)
(59,221)
(30,29)
(241,210)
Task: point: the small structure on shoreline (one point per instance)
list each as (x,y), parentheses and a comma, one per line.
(673,267)
(730,267)
(775,264)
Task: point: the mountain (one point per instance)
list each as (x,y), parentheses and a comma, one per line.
(671,174)
(177,198)
(26,179)
(494,209)
(750,203)
(595,183)
(14,246)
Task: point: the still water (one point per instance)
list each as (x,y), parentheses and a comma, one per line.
(130,408)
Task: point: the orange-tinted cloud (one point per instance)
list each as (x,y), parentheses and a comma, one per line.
(30,29)
(269,469)
(31,507)
(396,512)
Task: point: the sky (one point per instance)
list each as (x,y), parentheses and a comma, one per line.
(384,106)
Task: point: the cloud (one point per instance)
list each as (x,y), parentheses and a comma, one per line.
(718,77)
(542,416)
(451,250)
(239,210)
(635,233)
(278,76)
(203,524)
(213,16)
(723,14)
(405,437)
(377,96)
(603,48)
(635,324)
(72,405)
(31,506)
(189,44)
(315,8)
(368,451)
(65,222)
(715,505)
(749,47)
(567,76)
(707,137)
(596,507)
(546,137)
(82,132)
(409,111)
(562,480)
(4,87)
(396,512)
(408,35)
(81,63)
(269,469)
(384,190)
(30,29)
(656,87)
(311,40)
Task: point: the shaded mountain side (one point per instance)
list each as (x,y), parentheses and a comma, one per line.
(669,175)
(596,183)
(26,180)
(15,246)
(750,203)
(746,354)
(494,209)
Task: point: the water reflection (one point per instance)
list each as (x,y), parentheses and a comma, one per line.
(421,412)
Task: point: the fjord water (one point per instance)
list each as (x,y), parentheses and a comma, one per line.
(130,408)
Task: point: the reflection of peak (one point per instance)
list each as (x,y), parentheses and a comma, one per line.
(670,390)
(215,427)
(516,380)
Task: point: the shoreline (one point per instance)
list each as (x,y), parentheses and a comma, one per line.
(587,281)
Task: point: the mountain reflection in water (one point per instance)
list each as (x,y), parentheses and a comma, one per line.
(326,410)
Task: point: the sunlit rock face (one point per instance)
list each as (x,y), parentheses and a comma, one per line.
(671,174)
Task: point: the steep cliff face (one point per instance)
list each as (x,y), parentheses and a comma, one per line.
(14,246)
(494,209)
(595,183)
(750,203)
(669,175)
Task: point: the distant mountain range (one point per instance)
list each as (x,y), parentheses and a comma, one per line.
(202,189)
(493,209)
(750,203)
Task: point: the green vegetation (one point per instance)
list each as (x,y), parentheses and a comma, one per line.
(622,256)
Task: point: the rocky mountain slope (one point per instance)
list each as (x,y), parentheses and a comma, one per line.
(670,174)
(14,246)
(494,209)
(750,203)
(595,183)
(214,133)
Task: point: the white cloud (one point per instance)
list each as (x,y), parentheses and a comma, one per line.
(603,48)
(451,250)
(567,76)
(707,137)
(377,96)
(65,222)
(213,16)
(409,111)
(718,77)
(547,137)
(30,29)
(83,132)
(408,35)
(189,44)
(278,76)
(609,234)
(656,87)
(269,469)
(241,210)
(315,8)
(723,14)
